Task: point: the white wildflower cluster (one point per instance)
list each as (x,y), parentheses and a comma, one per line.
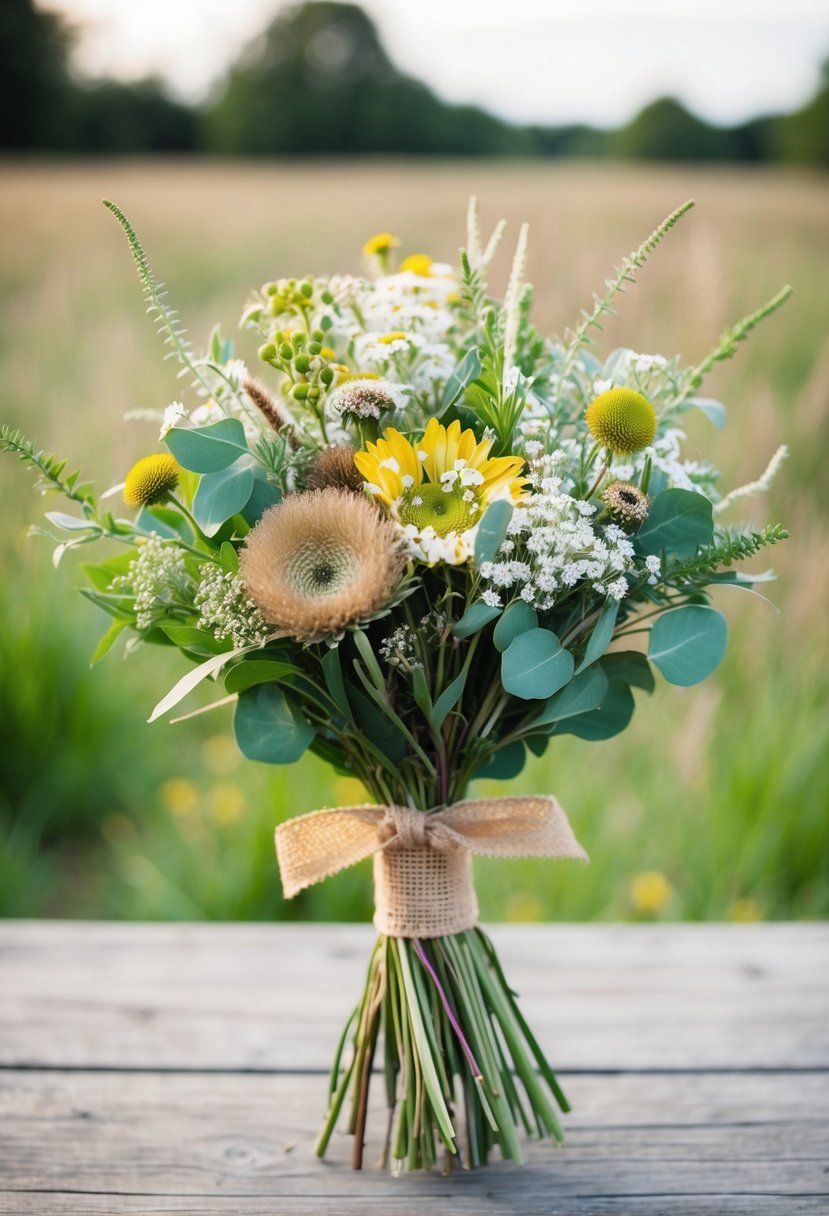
(159,581)
(173,414)
(553,545)
(666,457)
(399,649)
(226,610)
(396,326)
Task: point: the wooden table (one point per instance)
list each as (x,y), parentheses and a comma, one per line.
(180,1068)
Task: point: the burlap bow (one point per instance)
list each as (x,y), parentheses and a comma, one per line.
(423,883)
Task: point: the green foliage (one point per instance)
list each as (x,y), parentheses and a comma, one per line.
(688,643)
(535,665)
(679,521)
(518,617)
(268,727)
(209,449)
(492,530)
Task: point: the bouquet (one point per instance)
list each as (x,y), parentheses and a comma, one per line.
(427,540)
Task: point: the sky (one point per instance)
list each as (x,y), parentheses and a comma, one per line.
(544,61)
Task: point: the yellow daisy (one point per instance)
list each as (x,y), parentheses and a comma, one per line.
(439,487)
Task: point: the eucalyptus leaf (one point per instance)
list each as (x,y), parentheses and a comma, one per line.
(585,692)
(686,644)
(518,618)
(207,449)
(713,410)
(631,667)
(229,558)
(504,765)
(602,635)
(679,521)
(221,495)
(474,619)
(263,495)
(608,720)
(535,665)
(492,530)
(268,727)
(166,522)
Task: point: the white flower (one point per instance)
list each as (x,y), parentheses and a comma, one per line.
(173,414)
(654,565)
(618,589)
(491,598)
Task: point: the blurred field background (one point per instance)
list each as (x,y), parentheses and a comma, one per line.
(713,804)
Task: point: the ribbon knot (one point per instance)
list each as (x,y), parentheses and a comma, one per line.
(313,847)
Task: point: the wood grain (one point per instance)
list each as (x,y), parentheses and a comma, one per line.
(179,1069)
(202,1137)
(265,997)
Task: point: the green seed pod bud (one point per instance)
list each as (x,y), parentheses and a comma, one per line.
(314,348)
(302,363)
(297,341)
(286,350)
(267,353)
(318,335)
(327,375)
(307,289)
(313,394)
(300,392)
(270,289)
(327,297)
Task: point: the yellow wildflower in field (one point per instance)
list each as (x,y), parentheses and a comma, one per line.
(650,892)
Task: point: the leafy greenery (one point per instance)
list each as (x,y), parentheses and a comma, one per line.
(732,756)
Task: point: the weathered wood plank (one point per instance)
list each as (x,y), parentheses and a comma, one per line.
(550,1205)
(205,1143)
(239,996)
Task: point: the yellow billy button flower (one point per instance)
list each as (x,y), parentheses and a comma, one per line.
(151,480)
(438,488)
(380,244)
(622,420)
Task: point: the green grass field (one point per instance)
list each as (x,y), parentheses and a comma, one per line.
(722,790)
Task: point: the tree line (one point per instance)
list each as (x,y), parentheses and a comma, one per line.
(318,81)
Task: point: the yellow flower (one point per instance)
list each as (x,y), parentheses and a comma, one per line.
(397,335)
(622,420)
(150,480)
(417,263)
(380,244)
(650,892)
(440,485)
(745,911)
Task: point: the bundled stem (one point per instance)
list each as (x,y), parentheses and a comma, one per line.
(452,1034)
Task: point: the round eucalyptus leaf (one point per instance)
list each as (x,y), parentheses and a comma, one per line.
(268,727)
(535,665)
(686,644)
(679,521)
(518,618)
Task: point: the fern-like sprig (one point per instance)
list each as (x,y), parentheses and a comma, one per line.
(169,325)
(729,546)
(50,469)
(602,305)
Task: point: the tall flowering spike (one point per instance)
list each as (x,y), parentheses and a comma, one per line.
(151,480)
(318,562)
(622,420)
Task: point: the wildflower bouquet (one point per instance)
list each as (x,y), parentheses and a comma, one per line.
(431,542)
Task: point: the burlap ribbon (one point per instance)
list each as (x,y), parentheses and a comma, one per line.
(422,860)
